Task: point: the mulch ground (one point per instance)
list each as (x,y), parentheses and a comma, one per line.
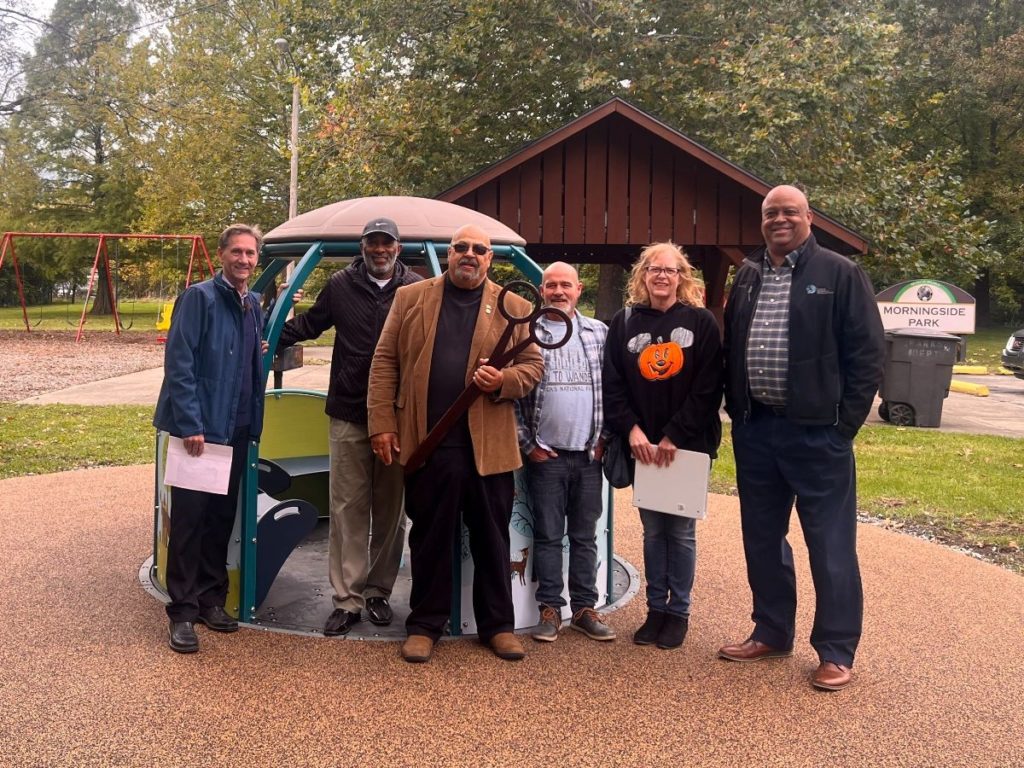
(35,362)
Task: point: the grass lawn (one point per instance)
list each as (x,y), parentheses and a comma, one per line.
(985,346)
(141,315)
(39,439)
(966,490)
(945,478)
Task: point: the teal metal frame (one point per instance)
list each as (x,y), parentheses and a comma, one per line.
(275,258)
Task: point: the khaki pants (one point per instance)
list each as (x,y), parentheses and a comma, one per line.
(367,531)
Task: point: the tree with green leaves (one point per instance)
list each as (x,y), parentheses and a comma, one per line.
(217,152)
(900,117)
(971,97)
(806,92)
(79,126)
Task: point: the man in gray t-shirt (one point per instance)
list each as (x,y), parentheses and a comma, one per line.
(561,436)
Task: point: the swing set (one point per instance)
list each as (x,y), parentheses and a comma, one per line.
(199,258)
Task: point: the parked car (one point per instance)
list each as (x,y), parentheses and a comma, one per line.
(1013,353)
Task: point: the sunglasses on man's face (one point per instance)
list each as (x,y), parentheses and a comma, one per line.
(478,248)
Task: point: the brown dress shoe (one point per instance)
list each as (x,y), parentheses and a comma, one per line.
(830,676)
(507,646)
(751,650)
(417,649)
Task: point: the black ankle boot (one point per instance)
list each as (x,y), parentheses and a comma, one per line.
(673,630)
(649,631)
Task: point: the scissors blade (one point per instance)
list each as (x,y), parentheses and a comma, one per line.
(442,427)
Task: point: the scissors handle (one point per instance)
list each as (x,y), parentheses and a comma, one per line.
(534,298)
(504,358)
(512,320)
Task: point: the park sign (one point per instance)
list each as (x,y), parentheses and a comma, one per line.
(927,304)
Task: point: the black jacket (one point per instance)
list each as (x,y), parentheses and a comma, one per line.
(836,341)
(683,406)
(356,308)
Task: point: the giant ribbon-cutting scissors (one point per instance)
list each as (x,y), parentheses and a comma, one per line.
(499,358)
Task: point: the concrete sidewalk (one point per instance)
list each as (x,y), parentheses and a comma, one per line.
(143,387)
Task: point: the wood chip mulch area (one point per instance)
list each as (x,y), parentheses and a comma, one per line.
(35,362)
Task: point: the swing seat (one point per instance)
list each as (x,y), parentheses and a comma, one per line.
(163,322)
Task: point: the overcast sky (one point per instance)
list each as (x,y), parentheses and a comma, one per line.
(28,31)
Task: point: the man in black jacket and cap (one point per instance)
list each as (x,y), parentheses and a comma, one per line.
(366,522)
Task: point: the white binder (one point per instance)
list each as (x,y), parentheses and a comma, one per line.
(681,488)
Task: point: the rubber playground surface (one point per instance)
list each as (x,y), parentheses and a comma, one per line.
(87,678)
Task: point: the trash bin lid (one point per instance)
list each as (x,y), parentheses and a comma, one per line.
(920,333)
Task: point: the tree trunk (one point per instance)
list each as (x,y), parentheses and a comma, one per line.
(610,298)
(983,299)
(101,304)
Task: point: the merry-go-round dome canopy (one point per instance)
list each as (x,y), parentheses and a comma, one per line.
(418,219)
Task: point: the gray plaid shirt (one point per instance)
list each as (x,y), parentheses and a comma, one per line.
(593,334)
(768,342)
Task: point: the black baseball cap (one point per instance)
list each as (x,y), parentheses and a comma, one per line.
(384,226)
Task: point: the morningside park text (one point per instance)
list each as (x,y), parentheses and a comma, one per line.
(918,316)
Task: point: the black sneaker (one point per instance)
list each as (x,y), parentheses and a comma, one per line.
(673,630)
(550,622)
(217,619)
(340,622)
(648,632)
(592,624)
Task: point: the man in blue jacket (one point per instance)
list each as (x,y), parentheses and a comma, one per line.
(212,392)
(804,355)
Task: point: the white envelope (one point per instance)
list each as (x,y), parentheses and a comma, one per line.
(209,472)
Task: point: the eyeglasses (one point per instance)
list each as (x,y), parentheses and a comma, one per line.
(659,271)
(478,248)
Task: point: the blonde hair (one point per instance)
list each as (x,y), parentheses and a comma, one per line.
(690,289)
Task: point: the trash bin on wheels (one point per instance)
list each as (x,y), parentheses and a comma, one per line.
(918,369)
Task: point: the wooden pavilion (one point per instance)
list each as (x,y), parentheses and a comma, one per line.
(615,179)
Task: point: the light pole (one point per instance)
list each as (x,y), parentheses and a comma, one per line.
(293,182)
(293,179)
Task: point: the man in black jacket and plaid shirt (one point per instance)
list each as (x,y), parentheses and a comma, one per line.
(804,354)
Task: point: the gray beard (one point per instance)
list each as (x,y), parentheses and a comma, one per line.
(379,272)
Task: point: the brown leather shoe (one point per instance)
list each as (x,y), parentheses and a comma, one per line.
(751,650)
(507,646)
(830,676)
(417,649)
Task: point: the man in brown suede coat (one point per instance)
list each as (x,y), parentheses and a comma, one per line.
(436,340)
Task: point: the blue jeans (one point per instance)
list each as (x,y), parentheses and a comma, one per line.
(565,490)
(670,556)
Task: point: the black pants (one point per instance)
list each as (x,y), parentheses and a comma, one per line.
(197,550)
(778,461)
(434,496)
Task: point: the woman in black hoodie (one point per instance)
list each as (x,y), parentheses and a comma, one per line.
(662,391)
